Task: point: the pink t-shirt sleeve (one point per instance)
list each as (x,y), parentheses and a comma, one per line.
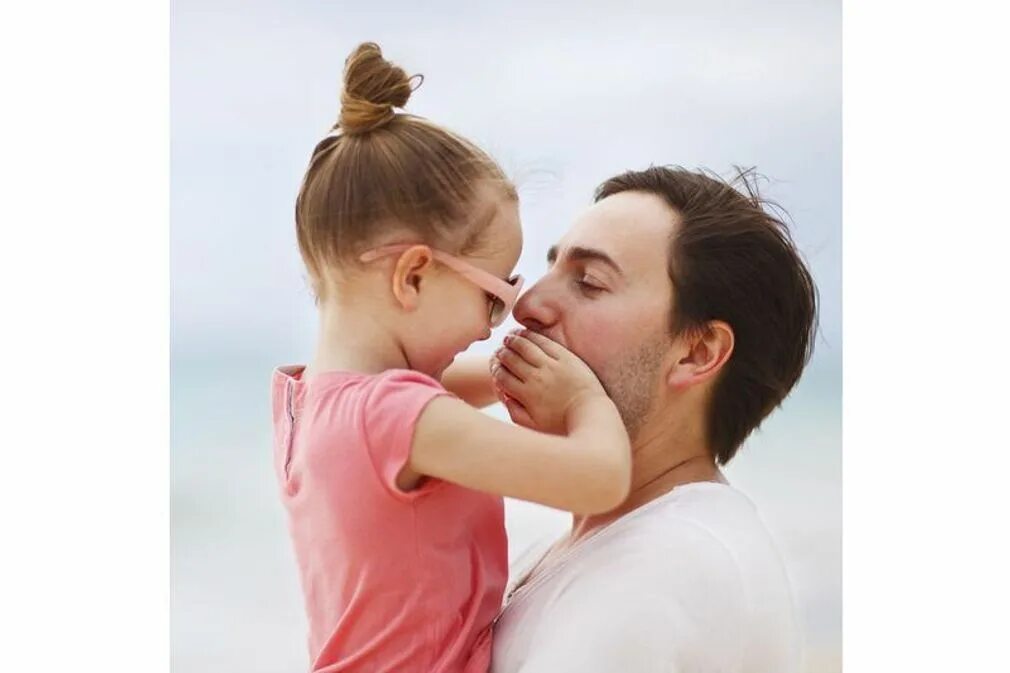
(391,412)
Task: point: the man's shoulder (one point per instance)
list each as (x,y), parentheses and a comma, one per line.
(705,513)
(704,531)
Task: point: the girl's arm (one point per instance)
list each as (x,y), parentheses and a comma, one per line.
(586,472)
(470,380)
(580,463)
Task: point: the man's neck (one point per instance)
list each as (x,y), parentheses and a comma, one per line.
(660,464)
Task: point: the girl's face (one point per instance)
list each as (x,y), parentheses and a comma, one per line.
(452,311)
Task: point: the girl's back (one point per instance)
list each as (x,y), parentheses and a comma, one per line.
(393,580)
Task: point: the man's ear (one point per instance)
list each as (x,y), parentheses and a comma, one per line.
(702,354)
(410,267)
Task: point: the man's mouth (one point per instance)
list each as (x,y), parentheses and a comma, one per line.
(549,336)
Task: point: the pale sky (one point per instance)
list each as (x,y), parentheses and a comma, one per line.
(563,94)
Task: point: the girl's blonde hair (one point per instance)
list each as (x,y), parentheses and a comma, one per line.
(380,169)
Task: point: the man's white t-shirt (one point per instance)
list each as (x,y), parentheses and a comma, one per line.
(688,583)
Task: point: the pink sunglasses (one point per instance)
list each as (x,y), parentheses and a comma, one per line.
(503,294)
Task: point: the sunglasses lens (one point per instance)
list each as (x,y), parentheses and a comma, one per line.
(497,311)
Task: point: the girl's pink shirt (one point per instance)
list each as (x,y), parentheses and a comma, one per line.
(393,580)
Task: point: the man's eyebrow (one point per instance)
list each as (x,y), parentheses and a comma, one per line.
(578,254)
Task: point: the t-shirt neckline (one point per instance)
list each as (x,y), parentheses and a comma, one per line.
(578,548)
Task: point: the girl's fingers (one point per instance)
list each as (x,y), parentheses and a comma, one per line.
(515,363)
(528,350)
(500,394)
(552,349)
(505,381)
(518,414)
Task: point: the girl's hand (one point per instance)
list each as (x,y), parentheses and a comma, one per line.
(540,382)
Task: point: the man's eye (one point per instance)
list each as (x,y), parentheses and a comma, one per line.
(588,288)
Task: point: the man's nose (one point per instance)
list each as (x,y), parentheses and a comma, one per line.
(534,310)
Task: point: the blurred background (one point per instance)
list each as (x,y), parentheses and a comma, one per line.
(564,95)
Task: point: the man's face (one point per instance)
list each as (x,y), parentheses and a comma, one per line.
(607,297)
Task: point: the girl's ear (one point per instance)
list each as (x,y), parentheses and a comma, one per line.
(703,355)
(410,268)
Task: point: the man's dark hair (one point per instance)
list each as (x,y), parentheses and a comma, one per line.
(731,259)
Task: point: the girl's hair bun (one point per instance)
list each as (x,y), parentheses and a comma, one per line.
(373,87)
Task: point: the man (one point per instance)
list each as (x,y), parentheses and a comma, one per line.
(690,302)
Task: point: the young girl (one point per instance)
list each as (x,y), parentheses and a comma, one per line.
(393,482)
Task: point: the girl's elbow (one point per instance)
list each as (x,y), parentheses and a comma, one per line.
(619,487)
(610,493)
